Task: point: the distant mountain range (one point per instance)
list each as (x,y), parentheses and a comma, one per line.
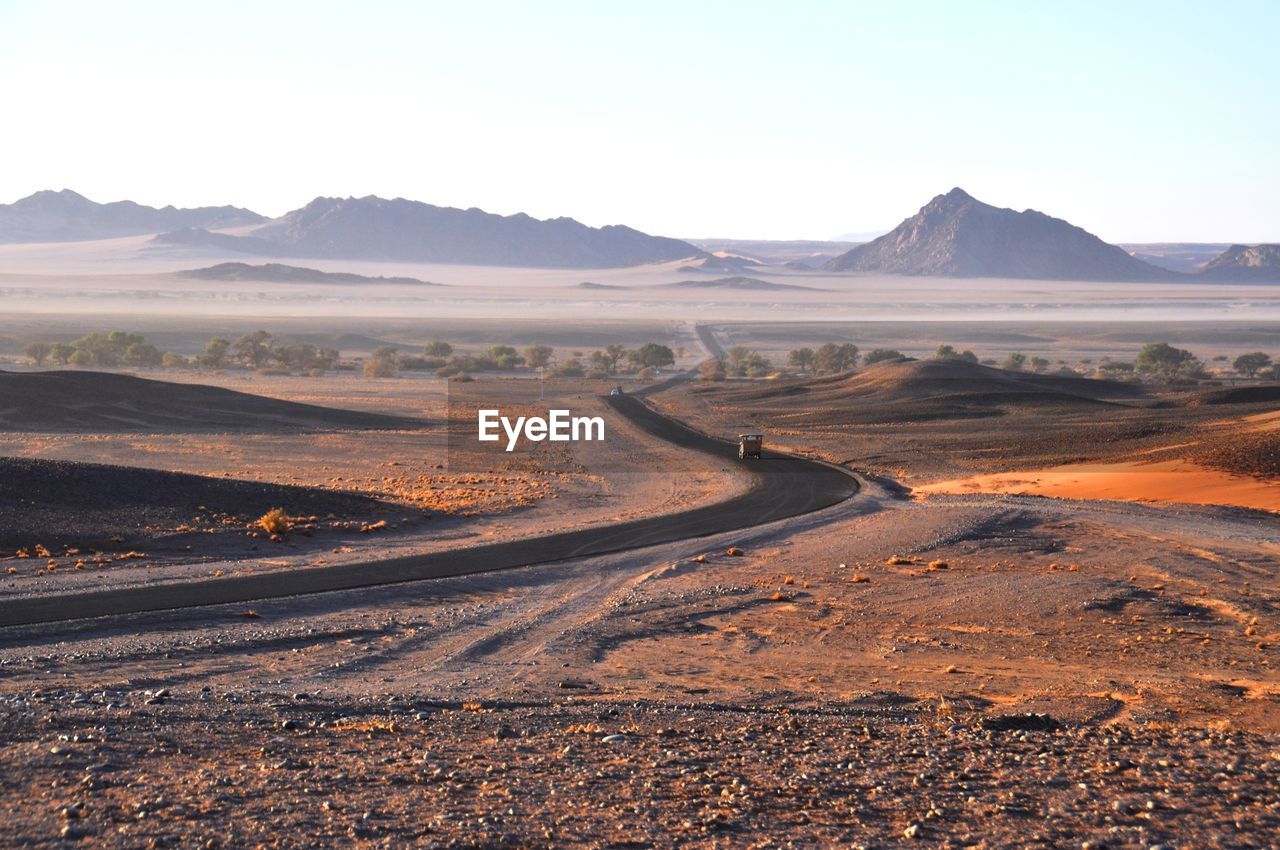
(373,228)
(280,273)
(66,216)
(956,235)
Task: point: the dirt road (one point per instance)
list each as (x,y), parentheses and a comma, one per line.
(784,486)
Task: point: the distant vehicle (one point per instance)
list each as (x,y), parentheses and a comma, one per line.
(749,446)
(616,391)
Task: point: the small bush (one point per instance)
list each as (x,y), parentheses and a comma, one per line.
(274,521)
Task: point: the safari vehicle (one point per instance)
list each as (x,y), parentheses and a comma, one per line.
(749,446)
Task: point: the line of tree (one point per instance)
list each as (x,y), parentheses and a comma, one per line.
(447,362)
(257,350)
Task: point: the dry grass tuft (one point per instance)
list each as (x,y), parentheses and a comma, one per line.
(900,561)
(274,521)
(939,565)
(859,578)
(781,597)
(733,550)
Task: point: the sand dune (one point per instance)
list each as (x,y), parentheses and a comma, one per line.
(73,401)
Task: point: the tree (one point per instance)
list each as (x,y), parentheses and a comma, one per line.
(378,367)
(711,370)
(1039,364)
(614,352)
(214,355)
(61,352)
(38,352)
(1014,362)
(946,352)
(801,358)
(879,355)
(254,350)
(831,359)
(174,361)
(1164,361)
(653,356)
(1252,363)
(142,354)
(437,348)
(538,356)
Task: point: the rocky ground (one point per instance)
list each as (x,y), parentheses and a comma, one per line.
(194,767)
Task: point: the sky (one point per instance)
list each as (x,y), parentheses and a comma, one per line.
(1139,121)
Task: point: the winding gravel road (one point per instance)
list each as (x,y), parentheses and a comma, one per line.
(783,486)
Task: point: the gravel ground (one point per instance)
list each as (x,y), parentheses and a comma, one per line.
(201,769)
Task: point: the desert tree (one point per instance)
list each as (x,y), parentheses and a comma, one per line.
(38,352)
(254,350)
(538,356)
(801,358)
(1252,363)
(880,355)
(215,353)
(1162,360)
(142,354)
(437,348)
(1014,362)
(711,370)
(376,367)
(615,351)
(61,352)
(653,355)
(832,359)
(1038,364)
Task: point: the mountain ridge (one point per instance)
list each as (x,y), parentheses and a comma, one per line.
(373,228)
(67,216)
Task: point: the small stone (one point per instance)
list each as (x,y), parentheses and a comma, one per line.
(614,739)
(912,831)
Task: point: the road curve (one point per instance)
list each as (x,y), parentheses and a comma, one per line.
(784,486)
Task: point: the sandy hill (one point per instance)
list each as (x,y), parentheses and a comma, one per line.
(955,235)
(66,216)
(923,390)
(1246,263)
(373,228)
(74,401)
(721,265)
(280,273)
(738,282)
(58,503)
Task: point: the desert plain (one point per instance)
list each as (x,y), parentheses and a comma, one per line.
(1046,614)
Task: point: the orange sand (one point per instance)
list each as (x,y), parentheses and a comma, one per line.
(1168,481)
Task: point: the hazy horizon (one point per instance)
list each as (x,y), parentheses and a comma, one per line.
(727,121)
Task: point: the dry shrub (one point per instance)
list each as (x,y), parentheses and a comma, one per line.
(274,521)
(733,550)
(899,560)
(859,578)
(789,580)
(939,565)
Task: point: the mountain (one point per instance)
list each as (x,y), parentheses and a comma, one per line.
(955,235)
(373,228)
(1244,263)
(280,273)
(66,216)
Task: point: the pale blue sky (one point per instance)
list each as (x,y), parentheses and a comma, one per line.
(1136,120)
